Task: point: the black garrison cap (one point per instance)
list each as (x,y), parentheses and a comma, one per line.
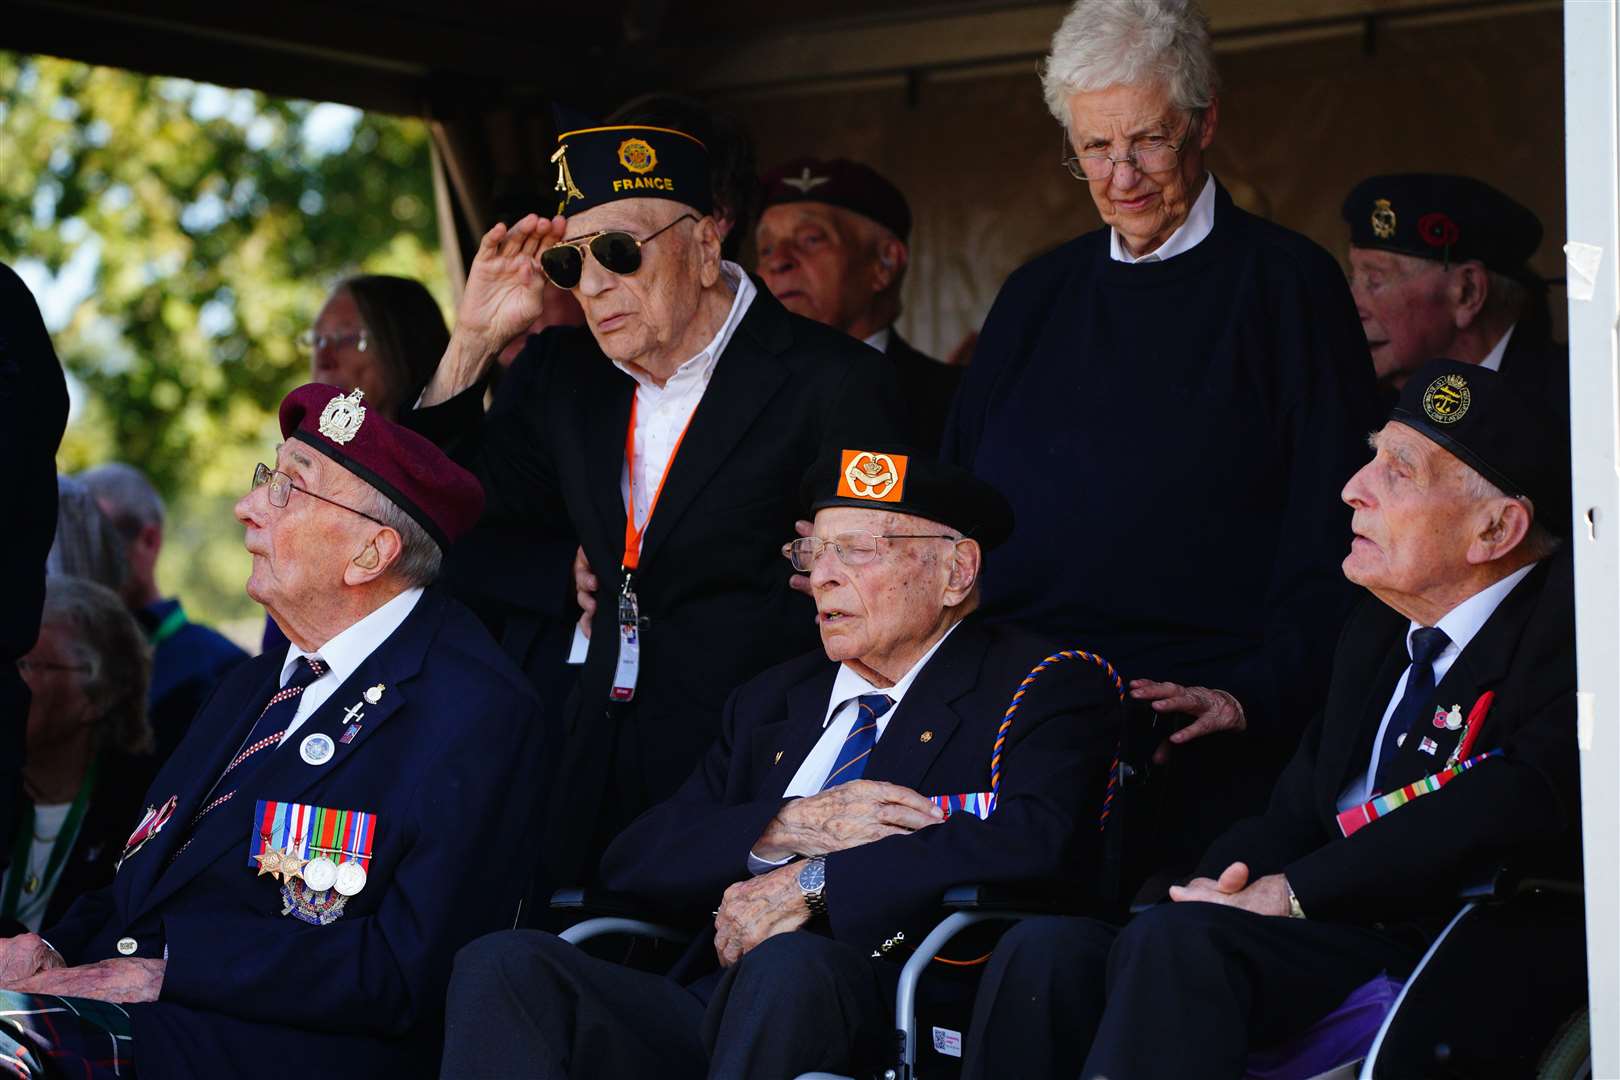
(1445,218)
(892,478)
(1494,427)
(630,161)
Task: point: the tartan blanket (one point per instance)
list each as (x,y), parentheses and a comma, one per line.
(42,1035)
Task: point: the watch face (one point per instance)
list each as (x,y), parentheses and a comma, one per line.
(812,875)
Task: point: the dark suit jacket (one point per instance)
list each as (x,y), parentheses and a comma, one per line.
(33,413)
(455,731)
(927,387)
(683,853)
(1409,865)
(713,586)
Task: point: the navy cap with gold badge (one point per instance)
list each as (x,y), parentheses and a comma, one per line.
(894,479)
(1445,218)
(842,183)
(1494,427)
(630,161)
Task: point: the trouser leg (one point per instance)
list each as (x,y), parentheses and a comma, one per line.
(1192,987)
(523,1003)
(1040,1000)
(800,1002)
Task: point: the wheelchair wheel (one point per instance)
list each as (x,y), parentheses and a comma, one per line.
(1569,1055)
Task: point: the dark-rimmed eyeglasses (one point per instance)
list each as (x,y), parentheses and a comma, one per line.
(282,487)
(852,548)
(309,340)
(618,253)
(1151,154)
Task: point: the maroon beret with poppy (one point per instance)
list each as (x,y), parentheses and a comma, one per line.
(842,183)
(415,475)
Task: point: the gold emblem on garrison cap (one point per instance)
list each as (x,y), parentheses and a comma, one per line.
(1446,400)
(638,156)
(342,417)
(1383,219)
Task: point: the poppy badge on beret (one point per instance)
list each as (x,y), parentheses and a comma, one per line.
(638,156)
(1383,219)
(869,475)
(342,417)
(1446,399)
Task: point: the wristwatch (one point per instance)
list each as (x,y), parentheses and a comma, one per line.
(813,885)
(1294,910)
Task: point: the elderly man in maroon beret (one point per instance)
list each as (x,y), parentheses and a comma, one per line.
(832,246)
(334,824)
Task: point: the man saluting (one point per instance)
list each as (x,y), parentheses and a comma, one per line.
(670,434)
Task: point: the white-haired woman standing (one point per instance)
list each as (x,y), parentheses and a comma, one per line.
(1173,403)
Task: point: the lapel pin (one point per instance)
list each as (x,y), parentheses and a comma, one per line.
(349,733)
(1428,746)
(1454,720)
(927,736)
(1440,716)
(316,749)
(778,757)
(1400,740)
(374,694)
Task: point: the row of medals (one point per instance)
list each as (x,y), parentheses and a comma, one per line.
(319,874)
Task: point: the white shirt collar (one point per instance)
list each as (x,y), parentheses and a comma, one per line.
(849,684)
(350,647)
(880,340)
(700,367)
(1493,359)
(1465,620)
(1188,235)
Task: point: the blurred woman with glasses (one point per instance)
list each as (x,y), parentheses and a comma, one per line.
(381,334)
(89,752)
(1172,403)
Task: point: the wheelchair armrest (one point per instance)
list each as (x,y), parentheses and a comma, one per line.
(1505,881)
(1029,898)
(588,901)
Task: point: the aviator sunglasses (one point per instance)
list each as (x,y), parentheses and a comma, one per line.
(618,253)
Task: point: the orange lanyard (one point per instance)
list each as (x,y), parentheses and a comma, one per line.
(632,535)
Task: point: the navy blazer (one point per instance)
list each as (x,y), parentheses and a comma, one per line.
(1409,865)
(251,992)
(683,853)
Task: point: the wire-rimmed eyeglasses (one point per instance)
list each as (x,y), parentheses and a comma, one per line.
(852,548)
(1150,154)
(309,340)
(282,487)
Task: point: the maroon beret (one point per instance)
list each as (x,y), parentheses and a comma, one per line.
(842,183)
(438,494)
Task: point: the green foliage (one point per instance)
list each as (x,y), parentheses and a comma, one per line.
(216,227)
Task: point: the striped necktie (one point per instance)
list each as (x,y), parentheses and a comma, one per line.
(857,747)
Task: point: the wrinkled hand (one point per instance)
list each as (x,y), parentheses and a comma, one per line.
(1267,896)
(843,817)
(756,909)
(123,979)
(25,955)
(585,586)
(505,285)
(1211,710)
(801,582)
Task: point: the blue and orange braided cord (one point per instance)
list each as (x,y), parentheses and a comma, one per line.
(1018,699)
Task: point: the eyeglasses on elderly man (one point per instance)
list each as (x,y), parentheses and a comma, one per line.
(852,548)
(282,487)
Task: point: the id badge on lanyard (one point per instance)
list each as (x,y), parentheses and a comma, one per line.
(629,662)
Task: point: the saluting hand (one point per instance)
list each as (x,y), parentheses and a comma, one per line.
(845,816)
(23,956)
(123,979)
(503,297)
(754,910)
(1211,710)
(1267,896)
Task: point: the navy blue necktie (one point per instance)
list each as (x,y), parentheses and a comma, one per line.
(851,761)
(266,734)
(1427,643)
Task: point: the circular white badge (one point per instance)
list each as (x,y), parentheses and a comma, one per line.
(127,946)
(316,749)
(320,873)
(351,878)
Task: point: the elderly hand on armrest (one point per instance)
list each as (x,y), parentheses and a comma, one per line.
(845,816)
(1211,710)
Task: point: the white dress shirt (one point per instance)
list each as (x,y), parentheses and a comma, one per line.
(1493,359)
(1192,232)
(1460,624)
(880,340)
(344,653)
(842,709)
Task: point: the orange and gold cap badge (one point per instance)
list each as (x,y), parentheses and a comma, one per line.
(866,474)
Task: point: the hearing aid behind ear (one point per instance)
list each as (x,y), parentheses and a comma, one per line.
(367,559)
